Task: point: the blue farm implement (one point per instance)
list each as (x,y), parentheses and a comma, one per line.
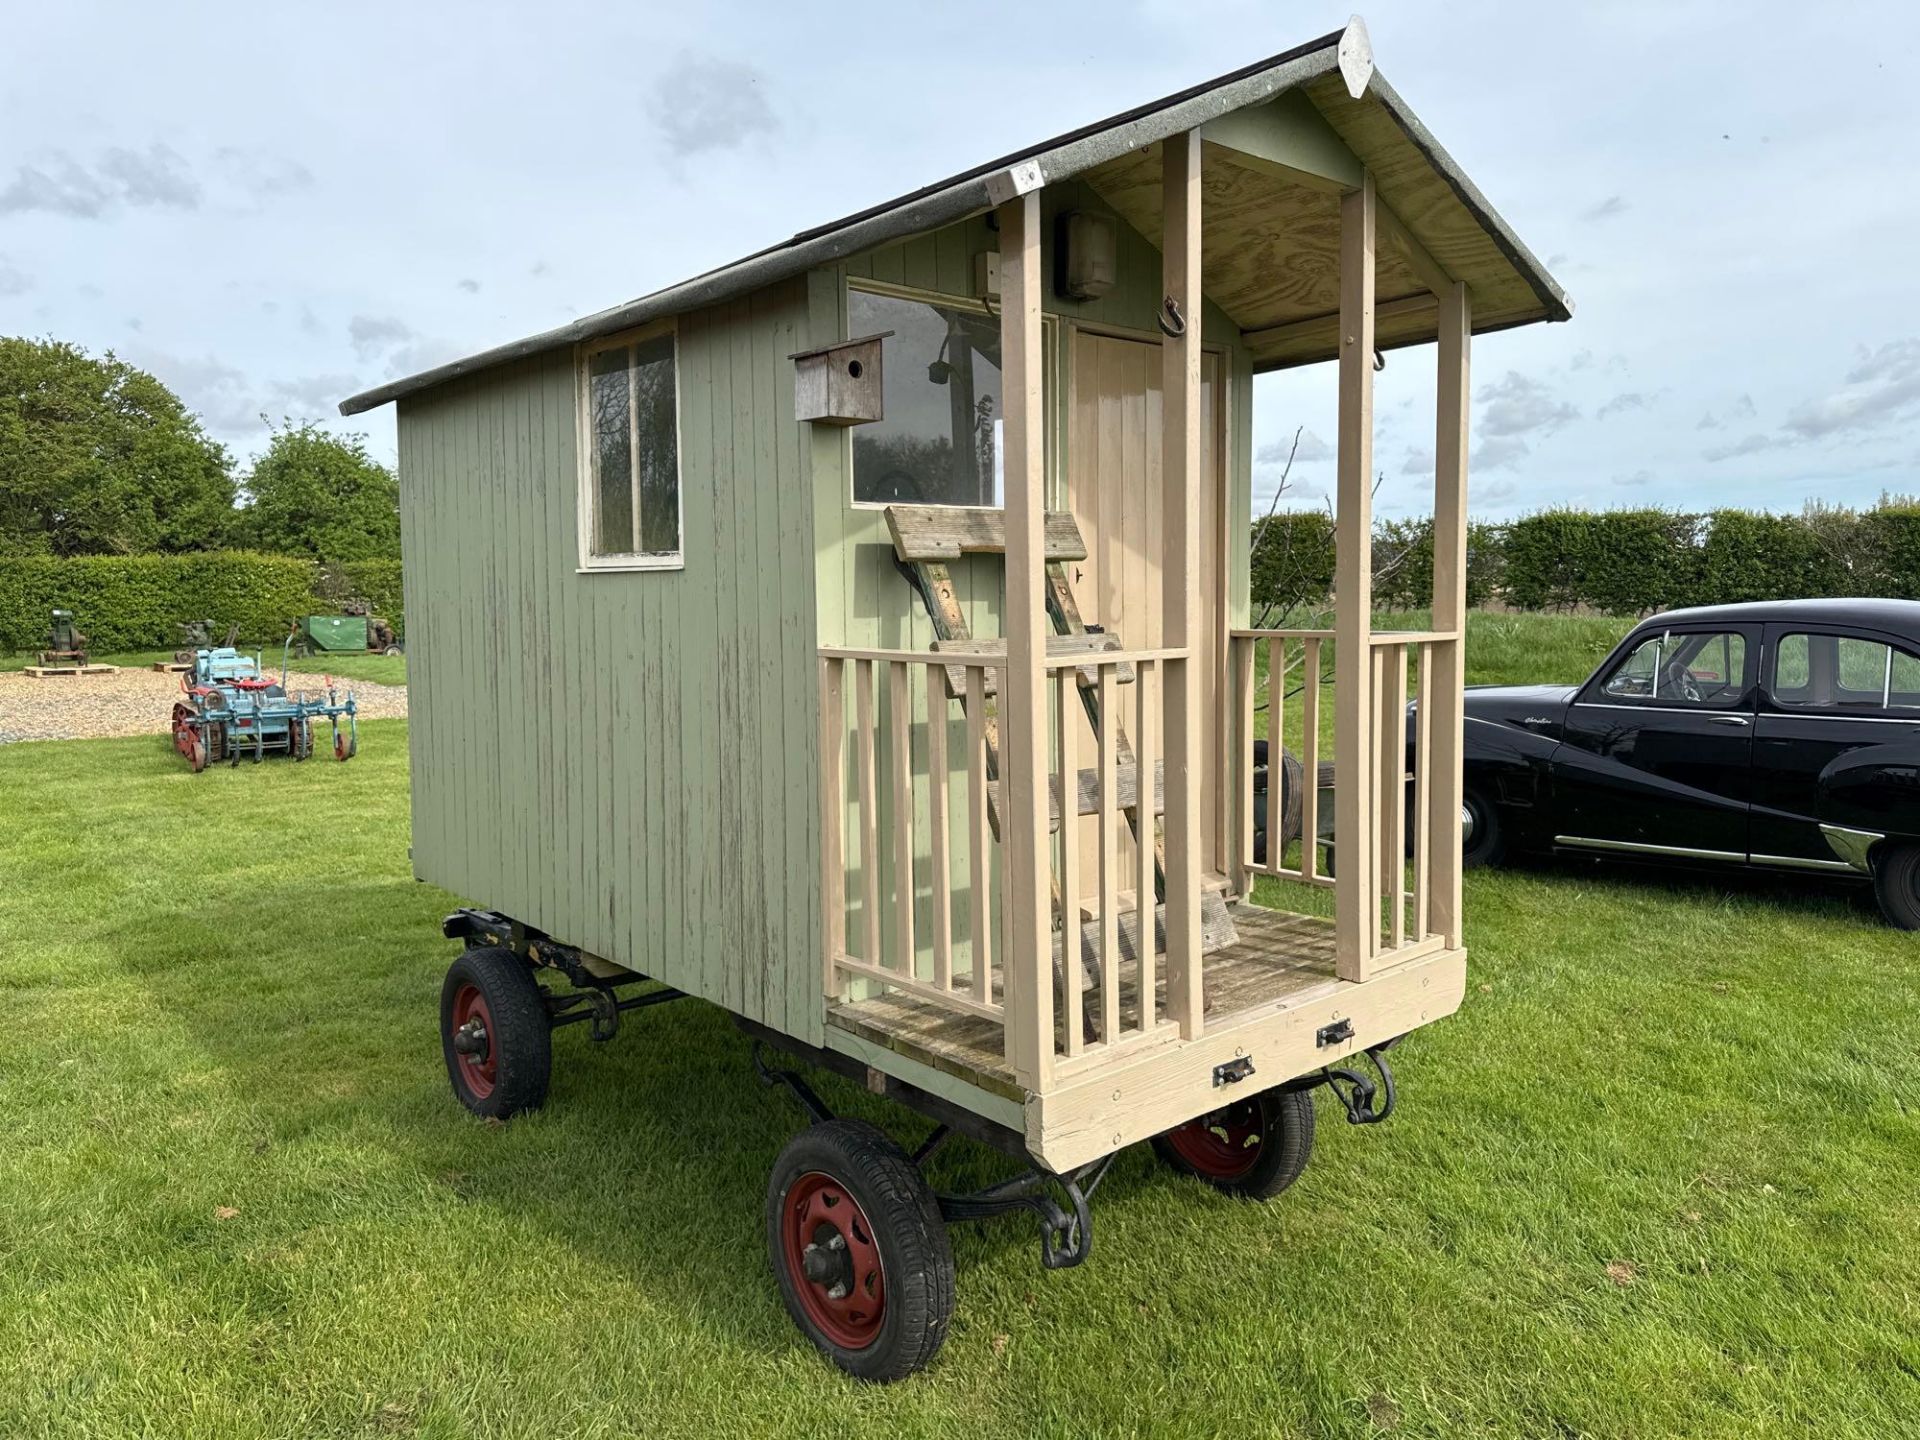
(232,710)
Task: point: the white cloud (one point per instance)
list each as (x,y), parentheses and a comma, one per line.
(706,103)
(158,178)
(1883,385)
(1313,450)
(1521,405)
(1500,453)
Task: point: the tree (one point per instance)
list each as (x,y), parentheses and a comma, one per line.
(99,458)
(319,494)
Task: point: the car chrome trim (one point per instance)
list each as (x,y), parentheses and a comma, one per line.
(1680,851)
(1663,709)
(1852,846)
(1913,720)
(1798,862)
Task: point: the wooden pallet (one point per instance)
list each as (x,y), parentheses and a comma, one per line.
(173,667)
(48,672)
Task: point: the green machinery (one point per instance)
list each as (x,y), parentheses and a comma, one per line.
(347,634)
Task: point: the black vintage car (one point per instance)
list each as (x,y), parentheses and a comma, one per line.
(1783,735)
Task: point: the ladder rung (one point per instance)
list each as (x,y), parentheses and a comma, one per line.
(1057,647)
(1126,786)
(1217,931)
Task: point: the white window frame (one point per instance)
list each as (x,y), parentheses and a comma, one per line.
(587,493)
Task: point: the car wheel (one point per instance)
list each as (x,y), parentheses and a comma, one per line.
(1896,885)
(1485,841)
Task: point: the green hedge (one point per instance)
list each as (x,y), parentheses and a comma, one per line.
(135,602)
(1620,562)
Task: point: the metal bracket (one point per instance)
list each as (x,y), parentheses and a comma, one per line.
(1357,1092)
(1233,1071)
(1338,1033)
(1065,1240)
(815,1107)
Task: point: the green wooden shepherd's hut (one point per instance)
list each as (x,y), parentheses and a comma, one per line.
(855,637)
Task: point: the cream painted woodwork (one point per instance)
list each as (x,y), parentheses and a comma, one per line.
(1115,494)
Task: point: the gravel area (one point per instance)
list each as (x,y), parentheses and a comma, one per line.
(132,702)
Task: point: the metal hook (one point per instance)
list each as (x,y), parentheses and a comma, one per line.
(1172,323)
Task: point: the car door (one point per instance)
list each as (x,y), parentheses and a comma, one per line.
(1826,690)
(1656,751)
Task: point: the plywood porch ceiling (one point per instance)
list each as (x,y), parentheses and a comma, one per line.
(1270,252)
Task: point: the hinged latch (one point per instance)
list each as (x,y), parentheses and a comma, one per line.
(1233,1071)
(1338,1033)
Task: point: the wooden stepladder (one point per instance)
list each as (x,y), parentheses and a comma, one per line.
(925,540)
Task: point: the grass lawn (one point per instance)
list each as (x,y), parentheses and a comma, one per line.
(1657,1178)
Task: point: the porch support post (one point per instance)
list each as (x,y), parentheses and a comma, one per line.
(1446,706)
(1355,810)
(1180,421)
(1023,717)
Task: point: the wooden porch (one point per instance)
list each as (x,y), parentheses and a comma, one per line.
(1037,857)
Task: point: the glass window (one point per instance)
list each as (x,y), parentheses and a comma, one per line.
(940,443)
(1843,673)
(633,492)
(1682,670)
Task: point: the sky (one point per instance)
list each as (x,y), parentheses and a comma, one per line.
(271,207)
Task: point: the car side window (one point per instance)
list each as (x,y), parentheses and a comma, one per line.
(1682,671)
(1843,675)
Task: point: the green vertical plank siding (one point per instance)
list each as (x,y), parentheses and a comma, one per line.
(628,761)
(624,760)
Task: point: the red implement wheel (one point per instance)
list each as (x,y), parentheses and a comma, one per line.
(300,738)
(860,1250)
(182,728)
(1255,1147)
(495,1033)
(196,751)
(345,745)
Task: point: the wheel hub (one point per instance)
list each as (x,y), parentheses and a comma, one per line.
(828,1265)
(471,1039)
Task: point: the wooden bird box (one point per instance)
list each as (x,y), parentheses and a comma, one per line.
(840,384)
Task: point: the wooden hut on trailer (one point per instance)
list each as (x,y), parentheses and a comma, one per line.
(855,637)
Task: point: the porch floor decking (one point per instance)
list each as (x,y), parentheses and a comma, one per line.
(1279,960)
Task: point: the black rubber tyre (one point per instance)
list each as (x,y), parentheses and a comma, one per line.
(1489,843)
(1896,885)
(1253,1148)
(897,1299)
(514,1064)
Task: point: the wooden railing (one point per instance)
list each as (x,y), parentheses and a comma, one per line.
(1271,726)
(1418,850)
(890,914)
(910,861)
(1107,783)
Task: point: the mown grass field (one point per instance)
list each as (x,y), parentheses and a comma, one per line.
(1656,1178)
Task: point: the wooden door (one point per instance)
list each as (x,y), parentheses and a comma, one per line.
(1114,491)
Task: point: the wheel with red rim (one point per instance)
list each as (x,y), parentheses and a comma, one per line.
(182,726)
(345,745)
(1254,1147)
(860,1250)
(196,750)
(495,1033)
